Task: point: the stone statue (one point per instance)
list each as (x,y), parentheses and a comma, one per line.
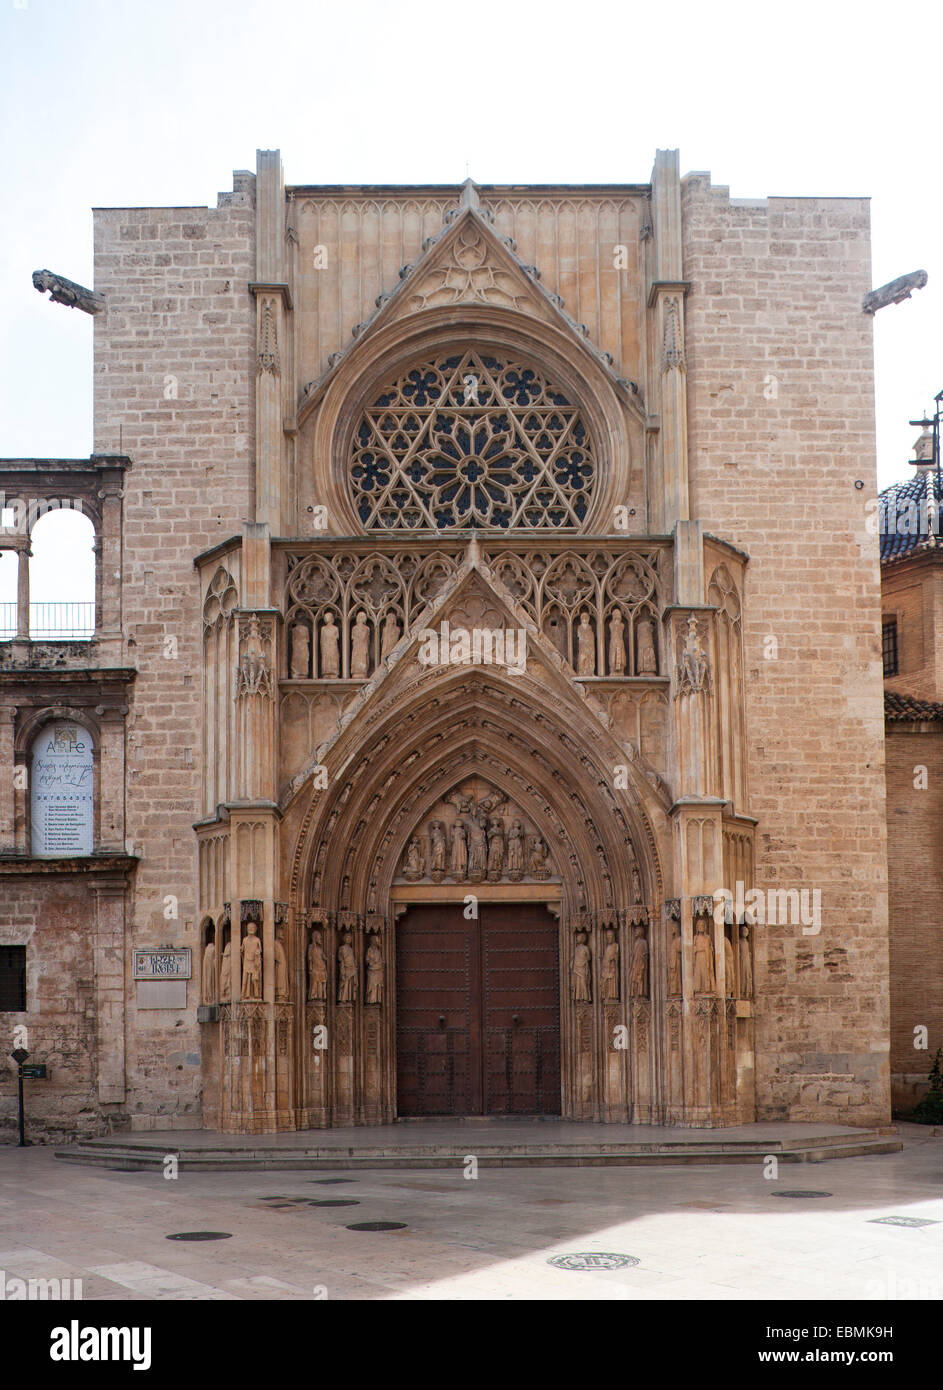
(495,848)
(636,885)
(539,867)
(477,849)
(704,979)
(346,972)
(617,643)
(360,647)
(253,672)
(373,993)
(730,981)
(746,964)
(282,990)
(646,663)
(330,646)
(317,968)
(694,669)
(674,959)
(586,647)
(208,979)
(225,973)
(516,848)
(459,861)
(609,979)
(390,635)
(581,986)
(437,848)
(415,865)
(638,980)
(300,651)
(251,963)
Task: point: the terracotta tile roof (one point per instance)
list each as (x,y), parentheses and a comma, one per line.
(900,709)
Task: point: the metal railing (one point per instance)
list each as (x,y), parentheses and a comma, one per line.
(54,622)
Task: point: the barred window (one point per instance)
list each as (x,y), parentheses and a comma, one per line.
(889,646)
(12,979)
(472,440)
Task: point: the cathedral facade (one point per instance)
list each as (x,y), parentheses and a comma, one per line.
(484,711)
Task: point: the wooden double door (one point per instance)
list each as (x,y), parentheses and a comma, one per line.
(478,1011)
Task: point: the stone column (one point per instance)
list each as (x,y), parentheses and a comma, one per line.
(666,336)
(111,758)
(109,896)
(22,593)
(274,366)
(7,778)
(108,563)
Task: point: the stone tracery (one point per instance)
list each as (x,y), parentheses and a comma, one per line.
(472,440)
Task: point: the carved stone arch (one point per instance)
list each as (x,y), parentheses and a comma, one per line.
(376,764)
(31,724)
(329,415)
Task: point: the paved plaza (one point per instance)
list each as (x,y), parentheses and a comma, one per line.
(695,1232)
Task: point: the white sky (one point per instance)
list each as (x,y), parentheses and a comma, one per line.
(133,103)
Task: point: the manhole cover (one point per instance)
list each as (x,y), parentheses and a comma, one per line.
(801,1192)
(335,1202)
(901,1221)
(326,1182)
(593,1260)
(202,1235)
(127,1170)
(378,1226)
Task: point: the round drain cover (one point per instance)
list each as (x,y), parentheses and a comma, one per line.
(378,1226)
(593,1260)
(801,1192)
(334,1202)
(326,1182)
(127,1170)
(202,1235)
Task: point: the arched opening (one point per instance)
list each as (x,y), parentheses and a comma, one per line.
(62,576)
(9,569)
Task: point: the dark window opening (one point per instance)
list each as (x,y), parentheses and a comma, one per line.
(889,646)
(12,979)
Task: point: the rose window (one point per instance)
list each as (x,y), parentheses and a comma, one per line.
(470,441)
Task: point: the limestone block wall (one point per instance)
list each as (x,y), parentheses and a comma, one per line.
(914,818)
(174,373)
(54,918)
(780,422)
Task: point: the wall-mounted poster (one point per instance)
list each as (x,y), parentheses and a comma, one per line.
(63,790)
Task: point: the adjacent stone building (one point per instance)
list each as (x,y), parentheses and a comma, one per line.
(483,588)
(912,623)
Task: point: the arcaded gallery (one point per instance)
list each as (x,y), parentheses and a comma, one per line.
(461,636)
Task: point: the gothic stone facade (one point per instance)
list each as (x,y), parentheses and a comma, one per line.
(466,623)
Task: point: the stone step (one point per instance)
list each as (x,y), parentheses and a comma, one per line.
(109,1154)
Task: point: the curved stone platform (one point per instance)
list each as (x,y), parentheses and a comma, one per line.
(543,1143)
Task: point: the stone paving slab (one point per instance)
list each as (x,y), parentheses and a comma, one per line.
(696,1232)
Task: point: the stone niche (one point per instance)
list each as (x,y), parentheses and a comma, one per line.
(476,834)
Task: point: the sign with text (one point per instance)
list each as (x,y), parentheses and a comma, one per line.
(162,963)
(62,791)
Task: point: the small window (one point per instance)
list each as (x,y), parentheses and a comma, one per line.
(12,979)
(889,646)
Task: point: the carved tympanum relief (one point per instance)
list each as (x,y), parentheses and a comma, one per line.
(476,833)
